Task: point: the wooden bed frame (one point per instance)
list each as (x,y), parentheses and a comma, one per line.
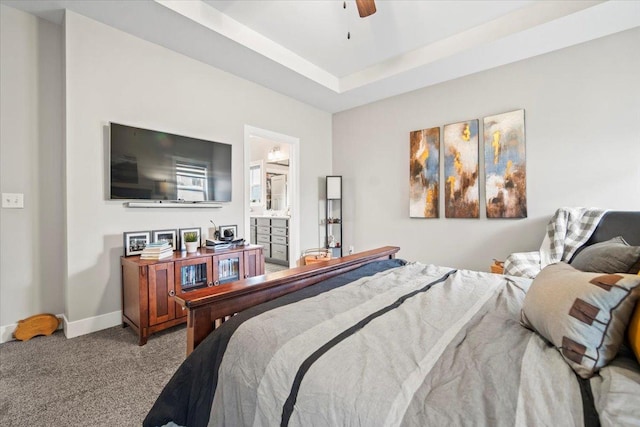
(209,307)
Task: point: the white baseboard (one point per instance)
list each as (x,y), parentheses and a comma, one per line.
(6,332)
(72,329)
(92,324)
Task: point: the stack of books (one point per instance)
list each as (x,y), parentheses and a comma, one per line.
(157,250)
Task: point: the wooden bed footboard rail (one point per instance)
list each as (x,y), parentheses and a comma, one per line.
(205,306)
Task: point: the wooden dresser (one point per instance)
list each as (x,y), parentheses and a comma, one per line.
(149,286)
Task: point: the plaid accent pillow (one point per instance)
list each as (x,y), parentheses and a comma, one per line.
(523,264)
(567,231)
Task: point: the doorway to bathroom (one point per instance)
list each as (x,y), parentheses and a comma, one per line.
(272,200)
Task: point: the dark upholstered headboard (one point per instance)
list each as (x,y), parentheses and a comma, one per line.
(613,224)
(618,223)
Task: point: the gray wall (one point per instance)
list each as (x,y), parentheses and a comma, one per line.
(113,76)
(31,162)
(582,109)
(60,88)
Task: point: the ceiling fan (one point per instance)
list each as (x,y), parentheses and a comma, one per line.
(366,7)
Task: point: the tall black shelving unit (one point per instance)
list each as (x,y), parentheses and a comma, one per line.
(333,217)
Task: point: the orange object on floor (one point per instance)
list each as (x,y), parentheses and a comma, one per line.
(40,324)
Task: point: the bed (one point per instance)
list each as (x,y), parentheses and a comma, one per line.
(372,340)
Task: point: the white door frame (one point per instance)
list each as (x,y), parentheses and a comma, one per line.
(294,182)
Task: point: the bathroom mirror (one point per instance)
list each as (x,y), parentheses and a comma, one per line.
(276,191)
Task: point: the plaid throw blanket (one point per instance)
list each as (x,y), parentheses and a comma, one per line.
(568,230)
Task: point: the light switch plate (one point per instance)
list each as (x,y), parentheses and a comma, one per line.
(13,200)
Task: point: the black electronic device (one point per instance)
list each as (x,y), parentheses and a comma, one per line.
(225,243)
(227,235)
(154,165)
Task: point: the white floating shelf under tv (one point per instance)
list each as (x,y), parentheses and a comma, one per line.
(172,204)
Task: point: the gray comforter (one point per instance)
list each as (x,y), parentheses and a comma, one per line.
(414,346)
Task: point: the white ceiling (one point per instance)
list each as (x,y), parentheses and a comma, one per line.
(300,48)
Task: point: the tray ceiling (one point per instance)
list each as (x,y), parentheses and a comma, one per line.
(300,48)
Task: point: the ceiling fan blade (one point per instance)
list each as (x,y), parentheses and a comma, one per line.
(366,7)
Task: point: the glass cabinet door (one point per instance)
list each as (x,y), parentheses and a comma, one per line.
(193,274)
(228,268)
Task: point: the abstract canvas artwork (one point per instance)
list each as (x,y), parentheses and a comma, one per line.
(424,171)
(504,160)
(461,194)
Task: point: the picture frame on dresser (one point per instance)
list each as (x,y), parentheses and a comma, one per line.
(170,235)
(135,242)
(224,229)
(183,231)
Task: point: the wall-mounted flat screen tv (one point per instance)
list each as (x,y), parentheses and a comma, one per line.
(153,165)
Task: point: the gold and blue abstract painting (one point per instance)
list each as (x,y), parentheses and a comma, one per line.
(461,191)
(505,165)
(424,173)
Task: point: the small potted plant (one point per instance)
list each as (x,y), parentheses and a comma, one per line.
(191,241)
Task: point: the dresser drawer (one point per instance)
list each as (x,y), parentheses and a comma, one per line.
(263,221)
(282,223)
(282,240)
(264,230)
(279,252)
(278,231)
(266,250)
(263,238)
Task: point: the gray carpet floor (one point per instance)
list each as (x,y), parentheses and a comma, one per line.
(99,379)
(272,268)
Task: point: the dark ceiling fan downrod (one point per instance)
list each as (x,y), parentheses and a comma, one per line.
(344,6)
(365,8)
